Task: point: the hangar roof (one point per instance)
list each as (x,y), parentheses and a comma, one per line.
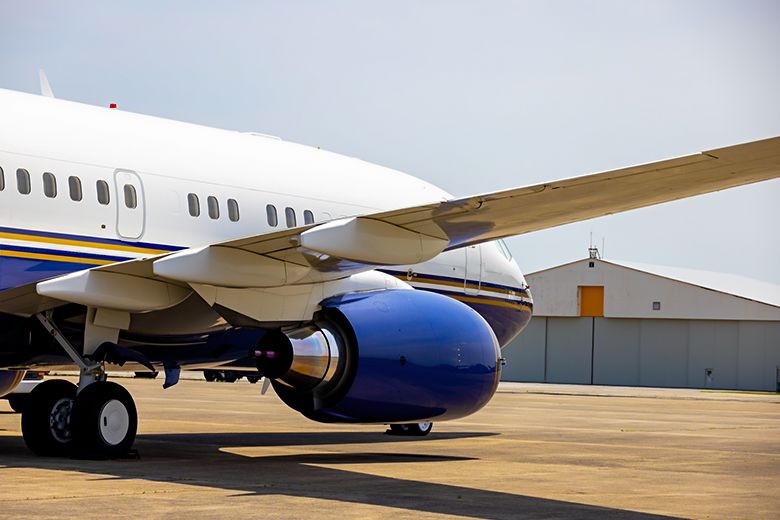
(737,285)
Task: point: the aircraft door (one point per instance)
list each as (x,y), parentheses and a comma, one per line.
(473,278)
(131,207)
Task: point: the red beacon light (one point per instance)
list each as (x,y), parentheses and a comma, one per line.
(112,105)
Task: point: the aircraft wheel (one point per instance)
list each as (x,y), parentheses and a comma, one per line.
(210,375)
(420,429)
(253,379)
(104,420)
(231,376)
(46,418)
(413,429)
(17,402)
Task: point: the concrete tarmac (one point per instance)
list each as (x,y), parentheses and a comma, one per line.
(217,450)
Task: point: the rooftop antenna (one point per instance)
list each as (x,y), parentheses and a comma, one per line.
(593,252)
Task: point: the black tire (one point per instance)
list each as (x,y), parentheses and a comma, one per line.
(399,429)
(253,379)
(104,420)
(420,429)
(412,429)
(46,418)
(17,402)
(231,376)
(210,375)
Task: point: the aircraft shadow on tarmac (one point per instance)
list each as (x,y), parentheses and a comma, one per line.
(201,460)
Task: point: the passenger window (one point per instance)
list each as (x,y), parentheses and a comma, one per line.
(131,200)
(102,192)
(270,210)
(289,214)
(213,207)
(233,210)
(308,217)
(2,179)
(49,185)
(194,204)
(74,187)
(23,181)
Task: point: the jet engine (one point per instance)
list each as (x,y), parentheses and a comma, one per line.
(391,356)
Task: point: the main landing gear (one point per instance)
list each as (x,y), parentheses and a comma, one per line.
(414,429)
(98,419)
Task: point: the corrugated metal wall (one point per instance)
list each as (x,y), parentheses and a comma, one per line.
(743,355)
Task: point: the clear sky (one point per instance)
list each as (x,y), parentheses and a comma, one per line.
(471,96)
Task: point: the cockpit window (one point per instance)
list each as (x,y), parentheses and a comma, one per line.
(504,250)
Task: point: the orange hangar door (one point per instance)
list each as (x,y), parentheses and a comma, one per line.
(131,209)
(591,300)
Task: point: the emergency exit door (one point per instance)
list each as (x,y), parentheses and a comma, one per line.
(131,208)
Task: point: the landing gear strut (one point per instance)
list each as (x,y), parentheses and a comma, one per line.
(98,419)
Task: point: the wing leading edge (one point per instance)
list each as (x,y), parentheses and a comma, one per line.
(497,215)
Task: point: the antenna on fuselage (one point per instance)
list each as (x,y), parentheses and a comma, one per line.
(45,88)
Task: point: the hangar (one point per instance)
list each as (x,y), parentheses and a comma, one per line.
(622,323)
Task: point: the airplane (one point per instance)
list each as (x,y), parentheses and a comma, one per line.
(362,294)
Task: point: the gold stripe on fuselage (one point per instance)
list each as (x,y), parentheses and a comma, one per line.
(55,258)
(512,304)
(432,281)
(81,243)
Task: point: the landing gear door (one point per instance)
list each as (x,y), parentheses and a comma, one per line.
(131,207)
(473,279)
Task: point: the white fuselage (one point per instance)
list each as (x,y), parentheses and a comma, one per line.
(153,169)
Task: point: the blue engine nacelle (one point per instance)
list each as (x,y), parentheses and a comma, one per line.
(394,356)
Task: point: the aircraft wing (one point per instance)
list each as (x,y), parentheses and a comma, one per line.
(332,250)
(497,215)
